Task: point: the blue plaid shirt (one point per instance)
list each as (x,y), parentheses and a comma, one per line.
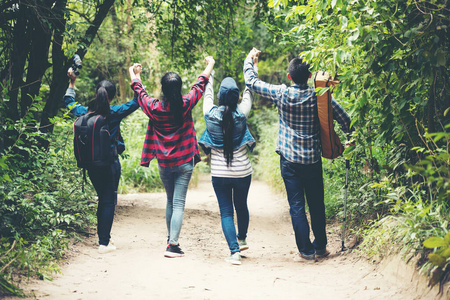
(298,132)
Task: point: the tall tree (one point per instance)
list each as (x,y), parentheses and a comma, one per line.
(29,30)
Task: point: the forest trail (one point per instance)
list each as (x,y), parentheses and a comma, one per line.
(138,269)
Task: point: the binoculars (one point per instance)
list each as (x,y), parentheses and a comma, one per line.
(76,65)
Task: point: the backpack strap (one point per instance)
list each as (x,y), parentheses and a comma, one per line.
(84,179)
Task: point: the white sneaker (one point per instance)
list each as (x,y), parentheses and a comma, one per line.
(234,259)
(102,249)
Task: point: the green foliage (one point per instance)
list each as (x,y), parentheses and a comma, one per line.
(264,126)
(435,165)
(412,219)
(41,203)
(440,259)
(134,177)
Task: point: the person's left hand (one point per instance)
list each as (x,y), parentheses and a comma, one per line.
(209,60)
(71,74)
(256,56)
(135,71)
(137,68)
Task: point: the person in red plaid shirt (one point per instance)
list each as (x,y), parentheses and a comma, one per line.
(171,139)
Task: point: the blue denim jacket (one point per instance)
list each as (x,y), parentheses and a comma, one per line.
(213,135)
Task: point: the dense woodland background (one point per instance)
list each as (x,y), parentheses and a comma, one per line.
(391,55)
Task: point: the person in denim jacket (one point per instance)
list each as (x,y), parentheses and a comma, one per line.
(104,179)
(227,138)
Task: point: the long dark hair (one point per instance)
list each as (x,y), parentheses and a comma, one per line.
(227,130)
(228,97)
(106,91)
(171,87)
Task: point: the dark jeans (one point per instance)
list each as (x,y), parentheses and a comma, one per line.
(301,180)
(229,192)
(106,182)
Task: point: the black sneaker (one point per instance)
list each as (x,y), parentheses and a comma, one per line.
(173,251)
(306,257)
(322,253)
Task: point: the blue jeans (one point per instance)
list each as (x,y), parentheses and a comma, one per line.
(229,192)
(176,181)
(106,182)
(301,180)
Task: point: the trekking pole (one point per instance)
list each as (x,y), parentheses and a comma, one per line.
(347,167)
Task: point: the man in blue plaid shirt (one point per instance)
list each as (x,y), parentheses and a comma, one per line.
(299,148)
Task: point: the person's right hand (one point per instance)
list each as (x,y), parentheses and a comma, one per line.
(253,53)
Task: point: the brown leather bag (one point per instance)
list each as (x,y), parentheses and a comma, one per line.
(331,144)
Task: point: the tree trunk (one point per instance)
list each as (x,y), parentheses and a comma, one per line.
(61,64)
(20,50)
(38,60)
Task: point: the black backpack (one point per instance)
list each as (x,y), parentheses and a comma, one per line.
(91,141)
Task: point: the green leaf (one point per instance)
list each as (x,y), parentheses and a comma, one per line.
(436,259)
(344,22)
(6,178)
(446,253)
(440,57)
(447,239)
(333,3)
(434,242)
(446,111)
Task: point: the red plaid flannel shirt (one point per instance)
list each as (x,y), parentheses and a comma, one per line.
(170,144)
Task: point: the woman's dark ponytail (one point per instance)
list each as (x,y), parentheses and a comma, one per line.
(171,86)
(227,130)
(228,97)
(106,91)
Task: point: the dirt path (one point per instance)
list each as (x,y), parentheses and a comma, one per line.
(138,270)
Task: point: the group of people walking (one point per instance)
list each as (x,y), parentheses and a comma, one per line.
(171,139)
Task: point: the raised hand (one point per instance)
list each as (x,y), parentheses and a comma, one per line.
(72,77)
(209,60)
(253,53)
(135,71)
(209,65)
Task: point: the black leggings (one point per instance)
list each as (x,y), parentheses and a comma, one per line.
(106,182)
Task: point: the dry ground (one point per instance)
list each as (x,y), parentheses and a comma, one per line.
(138,270)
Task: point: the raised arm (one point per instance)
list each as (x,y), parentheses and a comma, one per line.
(199,87)
(246,104)
(208,99)
(145,101)
(69,98)
(247,98)
(255,84)
(209,65)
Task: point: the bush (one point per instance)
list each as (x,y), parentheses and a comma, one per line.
(42,205)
